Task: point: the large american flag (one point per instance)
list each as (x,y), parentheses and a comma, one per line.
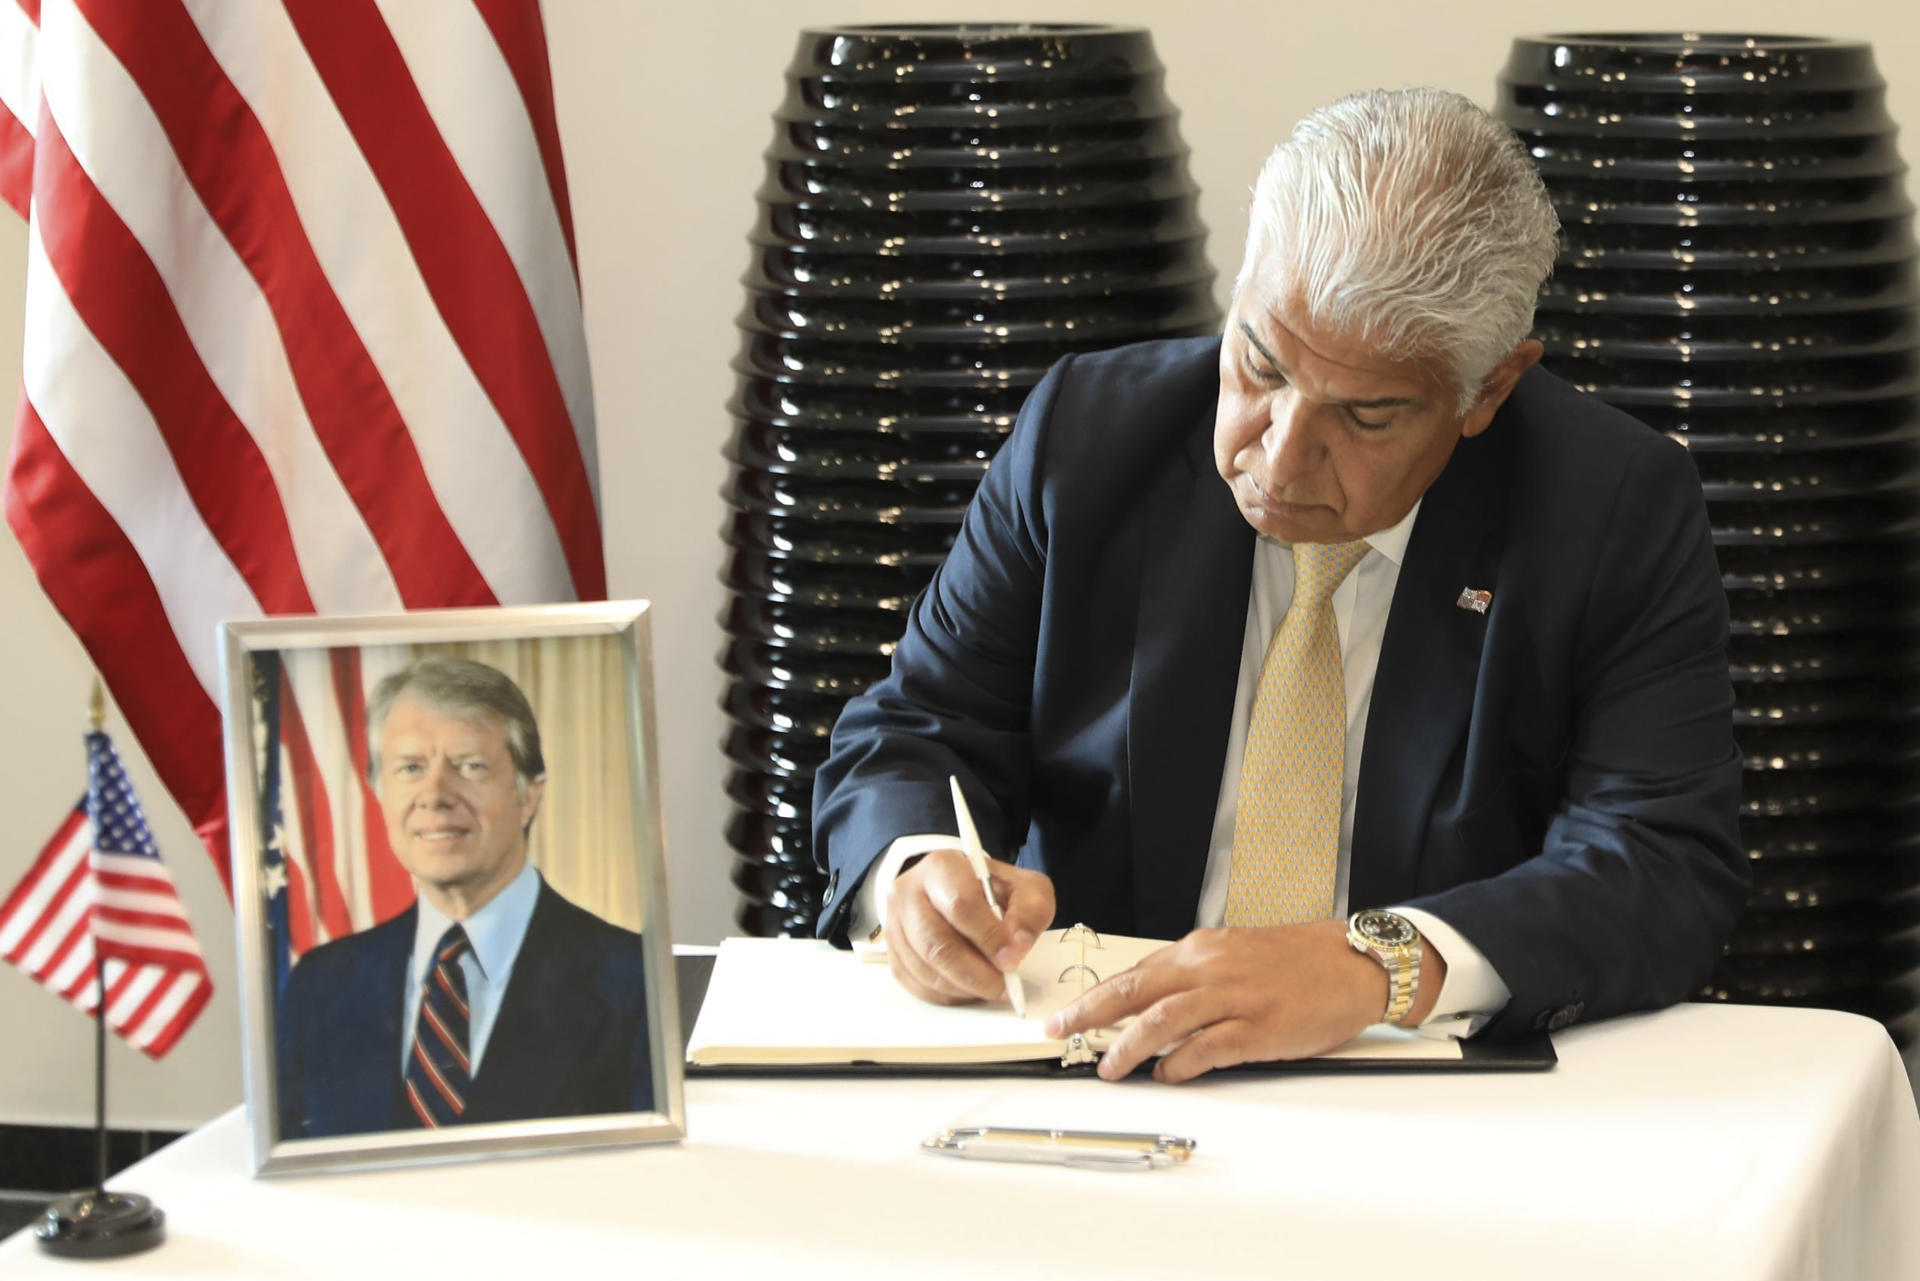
(303,334)
(98,894)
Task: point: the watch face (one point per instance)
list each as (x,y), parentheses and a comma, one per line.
(1385,928)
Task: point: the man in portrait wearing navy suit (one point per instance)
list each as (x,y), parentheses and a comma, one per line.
(492,998)
(1381,669)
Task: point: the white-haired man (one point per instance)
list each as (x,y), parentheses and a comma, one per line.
(1448,646)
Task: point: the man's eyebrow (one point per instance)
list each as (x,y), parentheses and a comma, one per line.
(1259,346)
(1380,402)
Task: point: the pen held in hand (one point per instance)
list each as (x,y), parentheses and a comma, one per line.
(983,868)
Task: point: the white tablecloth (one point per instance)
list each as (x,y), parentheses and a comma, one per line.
(1705,1141)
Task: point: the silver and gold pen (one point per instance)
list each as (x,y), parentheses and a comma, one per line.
(1087,1149)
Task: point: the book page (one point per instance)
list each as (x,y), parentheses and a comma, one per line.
(1067,962)
(803,1001)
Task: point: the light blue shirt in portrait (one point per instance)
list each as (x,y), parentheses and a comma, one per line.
(495,934)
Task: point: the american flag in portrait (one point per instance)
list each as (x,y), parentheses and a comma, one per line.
(330,870)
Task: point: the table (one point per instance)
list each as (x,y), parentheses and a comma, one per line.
(1703,1141)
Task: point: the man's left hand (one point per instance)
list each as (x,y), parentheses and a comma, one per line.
(1219,997)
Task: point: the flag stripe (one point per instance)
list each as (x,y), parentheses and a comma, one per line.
(60,967)
(342,702)
(74,978)
(20,69)
(49,933)
(16,162)
(479,477)
(301,931)
(125,887)
(118,142)
(142,896)
(131,991)
(232,167)
(169,956)
(178,1005)
(151,930)
(122,301)
(40,886)
(465,267)
(165,914)
(388,888)
(481,116)
(316,823)
(122,978)
(96,419)
(304,929)
(93,576)
(522,37)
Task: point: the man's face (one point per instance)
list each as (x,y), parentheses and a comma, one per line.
(455,812)
(1322,439)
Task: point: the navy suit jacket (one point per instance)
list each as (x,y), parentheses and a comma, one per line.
(570,1038)
(1556,778)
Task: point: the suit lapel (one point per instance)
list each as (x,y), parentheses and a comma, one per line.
(1197,563)
(1429,667)
(371,1052)
(547,1016)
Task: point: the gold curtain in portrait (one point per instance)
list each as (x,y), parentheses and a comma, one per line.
(583,836)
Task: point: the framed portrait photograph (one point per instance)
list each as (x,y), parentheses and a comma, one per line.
(450,885)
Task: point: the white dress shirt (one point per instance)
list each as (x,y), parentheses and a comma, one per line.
(494,936)
(1473,991)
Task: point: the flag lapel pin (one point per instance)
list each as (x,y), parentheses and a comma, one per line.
(1474,598)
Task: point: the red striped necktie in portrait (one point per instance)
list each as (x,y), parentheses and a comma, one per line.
(439,1066)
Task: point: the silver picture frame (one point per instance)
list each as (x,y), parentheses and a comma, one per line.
(301,883)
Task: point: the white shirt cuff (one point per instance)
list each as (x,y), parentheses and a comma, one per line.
(1473,991)
(868,913)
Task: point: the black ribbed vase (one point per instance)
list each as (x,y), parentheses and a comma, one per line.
(1739,271)
(947,211)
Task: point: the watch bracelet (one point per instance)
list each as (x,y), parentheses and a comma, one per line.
(1402,985)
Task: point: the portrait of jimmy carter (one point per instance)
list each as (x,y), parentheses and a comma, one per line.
(492,998)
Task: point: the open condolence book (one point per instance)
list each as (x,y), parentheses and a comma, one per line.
(801,1004)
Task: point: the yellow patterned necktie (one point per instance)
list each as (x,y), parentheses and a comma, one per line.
(1286,828)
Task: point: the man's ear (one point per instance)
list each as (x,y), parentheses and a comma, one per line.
(1498,385)
(530,806)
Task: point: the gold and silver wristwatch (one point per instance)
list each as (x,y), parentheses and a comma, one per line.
(1390,939)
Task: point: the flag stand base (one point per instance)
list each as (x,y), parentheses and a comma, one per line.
(101,1225)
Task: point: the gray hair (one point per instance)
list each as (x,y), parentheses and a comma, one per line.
(1413,220)
(467,691)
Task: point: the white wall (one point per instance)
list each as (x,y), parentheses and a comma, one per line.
(664,110)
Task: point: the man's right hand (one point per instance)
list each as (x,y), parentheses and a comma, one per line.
(944,943)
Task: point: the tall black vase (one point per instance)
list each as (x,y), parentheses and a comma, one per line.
(1739,271)
(947,211)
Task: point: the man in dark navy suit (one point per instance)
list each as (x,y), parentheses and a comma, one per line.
(1422,715)
(492,998)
